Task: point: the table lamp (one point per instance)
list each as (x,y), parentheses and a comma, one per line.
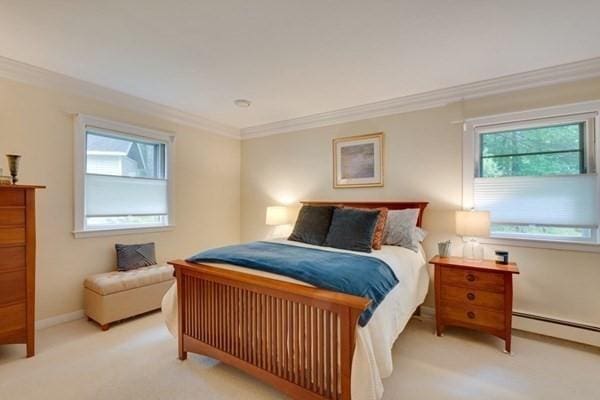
(279,218)
(277,215)
(471,225)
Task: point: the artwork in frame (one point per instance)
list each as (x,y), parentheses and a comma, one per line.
(358,161)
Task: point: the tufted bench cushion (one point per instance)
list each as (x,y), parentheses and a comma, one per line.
(117,295)
(113,282)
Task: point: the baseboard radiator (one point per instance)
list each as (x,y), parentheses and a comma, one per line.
(547,326)
(570,324)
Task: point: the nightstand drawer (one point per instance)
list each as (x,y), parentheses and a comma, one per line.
(473,279)
(473,297)
(474,316)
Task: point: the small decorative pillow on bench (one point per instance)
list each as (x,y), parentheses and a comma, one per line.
(132,256)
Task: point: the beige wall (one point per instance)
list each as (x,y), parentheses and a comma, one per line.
(38,124)
(423,161)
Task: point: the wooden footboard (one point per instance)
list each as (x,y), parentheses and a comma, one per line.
(297,338)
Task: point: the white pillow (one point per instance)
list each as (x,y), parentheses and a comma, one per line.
(420,234)
(400,228)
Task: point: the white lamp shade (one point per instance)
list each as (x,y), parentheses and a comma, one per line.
(473,223)
(277,215)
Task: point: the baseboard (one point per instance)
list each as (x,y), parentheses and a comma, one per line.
(541,327)
(557,330)
(427,312)
(59,319)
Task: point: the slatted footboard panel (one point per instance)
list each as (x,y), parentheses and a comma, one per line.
(297,338)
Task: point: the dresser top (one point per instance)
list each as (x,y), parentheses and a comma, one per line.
(489,265)
(19,186)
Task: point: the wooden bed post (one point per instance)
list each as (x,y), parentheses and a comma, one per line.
(180,319)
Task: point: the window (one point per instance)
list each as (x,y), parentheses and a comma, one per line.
(536,173)
(122,177)
(550,150)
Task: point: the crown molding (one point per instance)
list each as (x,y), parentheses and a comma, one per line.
(26,73)
(22,72)
(436,98)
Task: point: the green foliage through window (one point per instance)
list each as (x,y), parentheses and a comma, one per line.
(550,150)
(542,231)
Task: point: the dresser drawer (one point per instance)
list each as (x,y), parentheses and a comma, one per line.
(12,235)
(471,279)
(13,322)
(473,297)
(13,286)
(12,258)
(472,315)
(12,216)
(12,197)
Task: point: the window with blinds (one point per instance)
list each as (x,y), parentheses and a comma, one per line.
(124,182)
(538,178)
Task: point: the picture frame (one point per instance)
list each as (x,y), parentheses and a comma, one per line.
(358,161)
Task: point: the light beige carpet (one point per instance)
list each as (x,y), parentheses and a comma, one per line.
(137,360)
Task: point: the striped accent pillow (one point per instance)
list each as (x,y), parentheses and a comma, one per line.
(132,256)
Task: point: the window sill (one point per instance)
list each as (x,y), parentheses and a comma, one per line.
(543,244)
(121,231)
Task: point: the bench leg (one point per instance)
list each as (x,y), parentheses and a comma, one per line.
(105,327)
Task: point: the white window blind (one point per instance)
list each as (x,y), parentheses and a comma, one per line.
(541,200)
(111,196)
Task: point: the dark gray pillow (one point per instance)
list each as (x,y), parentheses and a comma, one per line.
(352,229)
(312,224)
(132,256)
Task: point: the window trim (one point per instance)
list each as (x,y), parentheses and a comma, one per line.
(474,127)
(81,123)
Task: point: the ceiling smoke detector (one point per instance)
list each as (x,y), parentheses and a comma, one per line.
(243,103)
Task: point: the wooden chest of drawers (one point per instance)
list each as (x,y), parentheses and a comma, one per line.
(474,294)
(17,265)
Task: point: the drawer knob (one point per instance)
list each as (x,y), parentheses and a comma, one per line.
(471,296)
(471,315)
(470,277)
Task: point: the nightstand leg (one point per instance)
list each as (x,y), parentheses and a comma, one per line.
(30,349)
(439,327)
(439,330)
(507,344)
(508,300)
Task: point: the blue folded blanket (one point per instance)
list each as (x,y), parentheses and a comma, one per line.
(341,272)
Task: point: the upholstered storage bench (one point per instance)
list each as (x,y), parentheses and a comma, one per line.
(117,295)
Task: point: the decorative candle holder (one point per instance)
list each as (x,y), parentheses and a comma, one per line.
(444,248)
(13,166)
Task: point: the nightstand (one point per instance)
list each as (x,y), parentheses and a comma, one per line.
(476,294)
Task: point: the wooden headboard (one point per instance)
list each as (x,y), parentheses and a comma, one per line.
(390,205)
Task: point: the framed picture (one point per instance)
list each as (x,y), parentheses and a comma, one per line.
(358,161)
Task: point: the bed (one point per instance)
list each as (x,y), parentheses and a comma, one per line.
(303,340)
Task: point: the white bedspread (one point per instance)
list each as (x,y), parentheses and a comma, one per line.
(373,355)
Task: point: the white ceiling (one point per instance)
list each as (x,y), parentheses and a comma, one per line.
(293,58)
